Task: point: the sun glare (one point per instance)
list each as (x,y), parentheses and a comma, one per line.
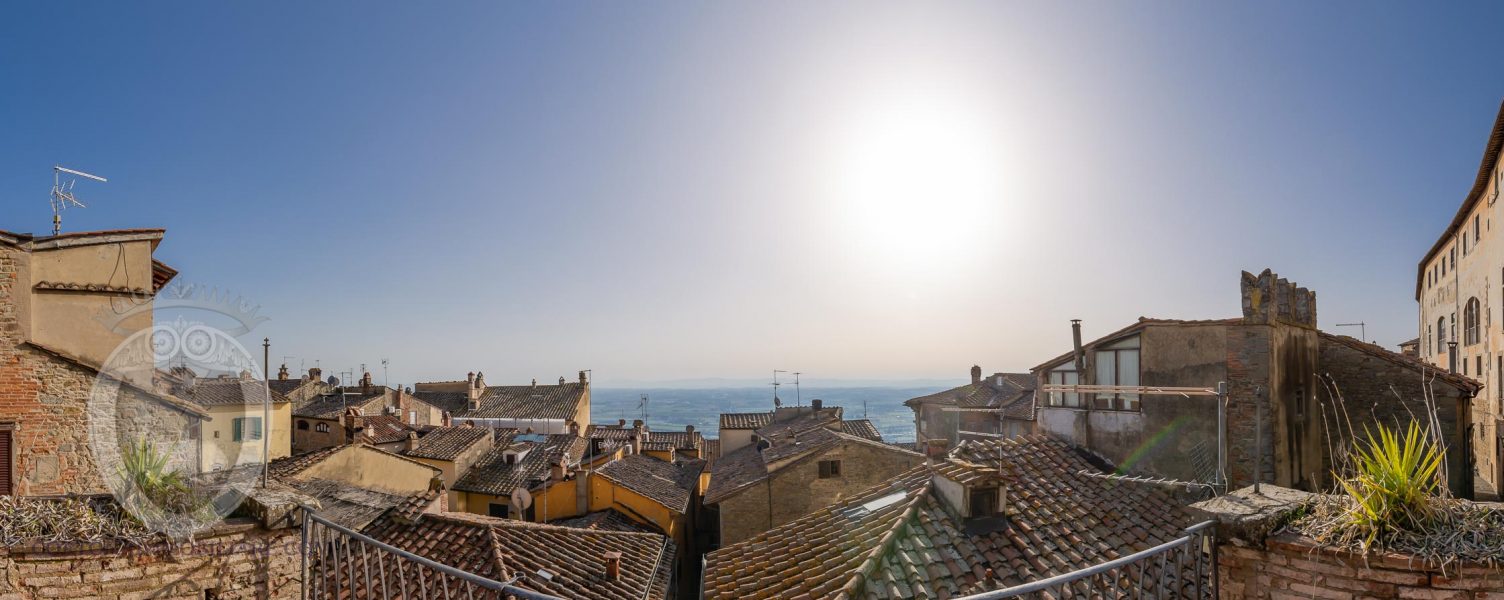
(917,179)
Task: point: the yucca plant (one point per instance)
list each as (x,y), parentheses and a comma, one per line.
(1394,482)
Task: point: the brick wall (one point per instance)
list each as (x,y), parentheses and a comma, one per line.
(1290,566)
(235,560)
(1379,391)
(46,399)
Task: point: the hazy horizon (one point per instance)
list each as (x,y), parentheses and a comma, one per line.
(661,192)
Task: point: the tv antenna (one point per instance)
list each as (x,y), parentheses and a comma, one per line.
(798,398)
(1362,329)
(384,363)
(776,402)
(62,194)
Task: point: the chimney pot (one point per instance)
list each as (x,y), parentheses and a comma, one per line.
(582,378)
(561,380)
(689,429)
(976,374)
(412,441)
(282,374)
(613,565)
(470,378)
(636,423)
(480,380)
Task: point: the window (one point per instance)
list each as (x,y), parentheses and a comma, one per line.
(1453,327)
(498,509)
(321,428)
(1117,364)
(1441,334)
(1475,230)
(302,425)
(412,417)
(982,502)
(246,428)
(1065,376)
(1470,322)
(830,469)
(1478,366)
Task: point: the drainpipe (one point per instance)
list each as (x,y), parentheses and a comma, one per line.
(1452,356)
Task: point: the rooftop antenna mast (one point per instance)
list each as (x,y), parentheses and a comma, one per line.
(1362,329)
(798,397)
(776,402)
(62,194)
(384,363)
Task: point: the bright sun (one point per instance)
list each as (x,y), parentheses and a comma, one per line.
(916,179)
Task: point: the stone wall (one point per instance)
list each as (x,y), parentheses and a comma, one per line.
(234,560)
(1291,566)
(1378,391)
(46,399)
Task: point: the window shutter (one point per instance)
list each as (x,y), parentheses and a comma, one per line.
(239,427)
(255,428)
(5,466)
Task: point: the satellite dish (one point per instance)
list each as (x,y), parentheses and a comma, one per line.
(521,498)
(333,380)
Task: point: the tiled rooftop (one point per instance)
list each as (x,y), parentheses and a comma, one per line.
(384,429)
(861,428)
(573,558)
(493,475)
(901,539)
(562,401)
(605,520)
(732,472)
(669,484)
(988,393)
(227,392)
(446,443)
(745,420)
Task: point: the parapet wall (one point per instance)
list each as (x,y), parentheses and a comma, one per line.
(234,560)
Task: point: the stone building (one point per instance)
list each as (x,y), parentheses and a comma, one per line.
(1459,286)
(1285,379)
(540,408)
(67,303)
(302,389)
(325,420)
(1001,404)
(237,407)
(994,514)
(739,430)
(453,450)
(795,467)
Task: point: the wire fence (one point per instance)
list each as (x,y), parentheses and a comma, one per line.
(342,564)
(1182,568)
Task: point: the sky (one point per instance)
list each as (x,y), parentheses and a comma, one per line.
(666,190)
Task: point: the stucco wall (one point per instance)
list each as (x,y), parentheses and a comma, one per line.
(220,447)
(369,468)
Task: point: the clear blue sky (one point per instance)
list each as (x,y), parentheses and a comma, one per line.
(666,190)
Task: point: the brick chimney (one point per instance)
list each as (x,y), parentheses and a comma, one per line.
(447,419)
(365,383)
(351,420)
(583,380)
(282,374)
(412,441)
(976,374)
(613,565)
(316,374)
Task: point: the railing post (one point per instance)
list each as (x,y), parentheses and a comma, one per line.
(303,552)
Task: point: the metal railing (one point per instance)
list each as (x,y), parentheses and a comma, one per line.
(1185,567)
(342,564)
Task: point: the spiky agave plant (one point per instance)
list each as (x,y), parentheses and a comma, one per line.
(1394,482)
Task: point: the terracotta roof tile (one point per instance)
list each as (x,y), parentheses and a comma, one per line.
(446,443)
(861,428)
(493,475)
(502,548)
(227,392)
(902,540)
(564,401)
(745,420)
(668,483)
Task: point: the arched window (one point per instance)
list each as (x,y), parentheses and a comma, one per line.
(321,428)
(1471,318)
(302,425)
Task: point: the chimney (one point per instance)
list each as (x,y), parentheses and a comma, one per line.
(556,470)
(621,423)
(282,374)
(976,374)
(1076,347)
(412,441)
(613,565)
(583,381)
(476,385)
(689,429)
(365,383)
(447,420)
(535,382)
(816,404)
(351,421)
(316,374)
(561,380)
(470,379)
(574,429)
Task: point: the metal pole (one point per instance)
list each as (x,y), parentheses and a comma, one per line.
(1258,439)
(1221,478)
(266,409)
